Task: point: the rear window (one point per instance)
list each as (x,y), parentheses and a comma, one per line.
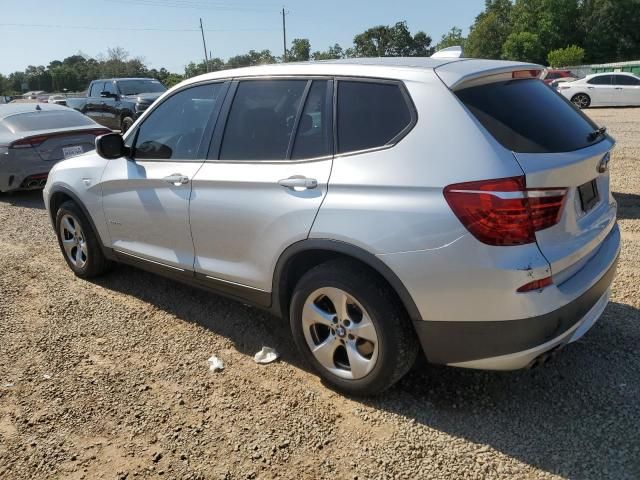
(370,114)
(526,116)
(134,87)
(46,120)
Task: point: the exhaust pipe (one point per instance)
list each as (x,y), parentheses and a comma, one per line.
(33,184)
(42,183)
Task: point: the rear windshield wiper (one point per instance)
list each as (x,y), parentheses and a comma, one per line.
(597,133)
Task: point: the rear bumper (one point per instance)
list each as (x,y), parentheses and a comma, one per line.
(513,344)
(18,179)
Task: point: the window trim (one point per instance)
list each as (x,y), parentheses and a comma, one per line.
(215,147)
(399,136)
(333,81)
(206,134)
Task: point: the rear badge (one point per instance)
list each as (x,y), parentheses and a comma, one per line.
(603,166)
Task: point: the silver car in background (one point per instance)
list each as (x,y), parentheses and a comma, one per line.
(380,205)
(33,137)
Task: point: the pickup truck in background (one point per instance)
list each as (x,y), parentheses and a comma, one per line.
(117,102)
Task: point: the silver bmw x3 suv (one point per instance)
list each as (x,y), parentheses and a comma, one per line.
(383,206)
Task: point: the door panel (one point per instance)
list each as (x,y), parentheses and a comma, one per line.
(242,219)
(252,203)
(146,201)
(627,90)
(147,215)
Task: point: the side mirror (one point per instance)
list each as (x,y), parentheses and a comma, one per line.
(111,146)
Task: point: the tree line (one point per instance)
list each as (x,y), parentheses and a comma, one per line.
(550,32)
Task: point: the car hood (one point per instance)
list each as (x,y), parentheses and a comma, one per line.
(144,97)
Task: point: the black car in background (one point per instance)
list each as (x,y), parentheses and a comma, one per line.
(117,102)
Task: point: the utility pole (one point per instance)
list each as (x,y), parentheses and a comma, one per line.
(204,44)
(284,34)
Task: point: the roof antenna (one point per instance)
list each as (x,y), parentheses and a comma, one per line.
(450,52)
(38,107)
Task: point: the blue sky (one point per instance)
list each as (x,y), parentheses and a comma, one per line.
(233,27)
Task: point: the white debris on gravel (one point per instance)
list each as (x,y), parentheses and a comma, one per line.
(215,364)
(266,355)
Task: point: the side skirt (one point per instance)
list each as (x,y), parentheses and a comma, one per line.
(235,291)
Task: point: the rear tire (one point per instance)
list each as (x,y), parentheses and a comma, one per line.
(78,242)
(581,100)
(125,124)
(362,345)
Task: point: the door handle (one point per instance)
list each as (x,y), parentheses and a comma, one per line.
(298,182)
(177,179)
(618,88)
(591,88)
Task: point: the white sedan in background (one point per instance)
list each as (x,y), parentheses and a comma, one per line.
(603,90)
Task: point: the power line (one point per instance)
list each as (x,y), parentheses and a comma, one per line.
(196,5)
(134,29)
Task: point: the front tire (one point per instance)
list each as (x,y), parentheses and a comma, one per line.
(581,100)
(78,242)
(350,327)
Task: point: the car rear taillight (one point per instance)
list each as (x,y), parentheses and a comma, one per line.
(503,211)
(37,140)
(535,285)
(526,73)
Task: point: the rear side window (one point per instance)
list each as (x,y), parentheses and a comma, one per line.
(313,138)
(627,80)
(601,80)
(526,116)
(370,114)
(262,119)
(46,120)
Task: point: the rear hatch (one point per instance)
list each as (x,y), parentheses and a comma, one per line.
(558,148)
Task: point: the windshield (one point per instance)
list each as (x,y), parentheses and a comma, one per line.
(46,120)
(133,87)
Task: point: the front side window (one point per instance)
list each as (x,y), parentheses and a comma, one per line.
(175,129)
(96,88)
(601,80)
(109,87)
(262,119)
(627,80)
(370,114)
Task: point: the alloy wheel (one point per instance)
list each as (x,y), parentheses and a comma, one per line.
(581,101)
(340,333)
(73,241)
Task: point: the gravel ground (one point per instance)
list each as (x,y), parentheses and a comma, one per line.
(109,379)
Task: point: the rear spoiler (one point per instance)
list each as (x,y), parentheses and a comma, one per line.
(471,72)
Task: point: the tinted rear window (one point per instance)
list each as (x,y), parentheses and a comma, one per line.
(527,116)
(46,120)
(133,87)
(370,114)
